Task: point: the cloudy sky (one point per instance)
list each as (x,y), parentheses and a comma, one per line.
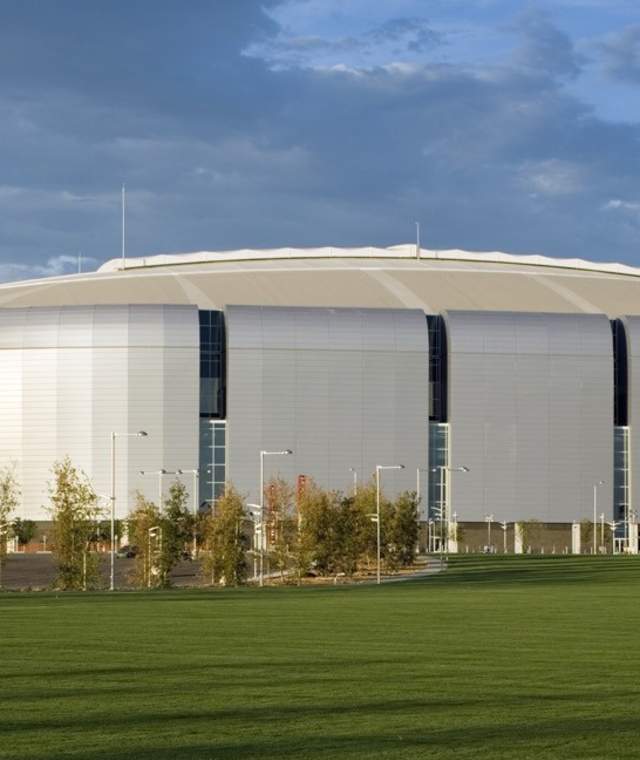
(497,124)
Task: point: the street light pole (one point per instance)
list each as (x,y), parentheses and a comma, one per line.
(263,454)
(442,468)
(504,531)
(114,435)
(379,468)
(355,480)
(257,535)
(488,520)
(156,530)
(595,513)
(196,502)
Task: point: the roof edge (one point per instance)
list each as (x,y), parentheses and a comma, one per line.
(404,251)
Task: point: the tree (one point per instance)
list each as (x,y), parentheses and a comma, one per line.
(281,523)
(160,534)
(530,533)
(351,529)
(400,531)
(365,504)
(142,521)
(9,500)
(317,534)
(23,530)
(586,535)
(74,513)
(177,528)
(225,542)
(335,531)
(102,531)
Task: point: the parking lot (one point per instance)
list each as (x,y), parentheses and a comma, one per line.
(38,571)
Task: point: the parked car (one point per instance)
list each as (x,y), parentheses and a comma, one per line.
(127,552)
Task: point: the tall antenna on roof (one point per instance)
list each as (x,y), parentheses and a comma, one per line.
(124,245)
(417,240)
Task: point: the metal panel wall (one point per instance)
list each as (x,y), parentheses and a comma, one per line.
(531,414)
(632,331)
(71,375)
(340,387)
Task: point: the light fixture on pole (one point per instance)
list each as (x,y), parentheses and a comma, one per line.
(595,513)
(613,525)
(355,480)
(504,524)
(160,474)
(442,469)
(263,454)
(454,528)
(114,436)
(379,468)
(156,530)
(489,519)
(196,497)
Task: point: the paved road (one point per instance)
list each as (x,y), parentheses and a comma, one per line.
(37,571)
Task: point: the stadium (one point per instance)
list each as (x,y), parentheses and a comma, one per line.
(519,369)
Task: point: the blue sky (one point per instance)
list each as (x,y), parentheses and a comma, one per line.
(499,125)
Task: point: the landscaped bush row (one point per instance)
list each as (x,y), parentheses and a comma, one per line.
(308,531)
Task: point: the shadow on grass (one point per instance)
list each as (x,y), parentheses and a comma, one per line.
(540,569)
(595,737)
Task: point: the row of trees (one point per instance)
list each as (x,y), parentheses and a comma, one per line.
(313,530)
(306,530)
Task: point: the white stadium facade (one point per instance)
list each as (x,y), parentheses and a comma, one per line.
(523,369)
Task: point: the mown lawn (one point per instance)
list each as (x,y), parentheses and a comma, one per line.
(501,657)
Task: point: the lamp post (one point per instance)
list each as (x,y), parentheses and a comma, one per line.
(156,530)
(454,531)
(196,499)
(263,454)
(489,519)
(504,531)
(442,468)
(595,513)
(257,536)
(418,483)
(613,525)
(379,468)
(114,436)
(355,480)
(632,519)
(160,474)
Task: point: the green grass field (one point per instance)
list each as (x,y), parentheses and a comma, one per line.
(500,657)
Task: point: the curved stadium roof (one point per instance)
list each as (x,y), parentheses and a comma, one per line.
(394,277)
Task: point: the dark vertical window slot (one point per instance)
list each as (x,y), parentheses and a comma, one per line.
(437,368)
(212,364)
(620,380)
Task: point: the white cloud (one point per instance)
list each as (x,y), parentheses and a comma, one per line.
(619,205)
(24,198)
(56,265)
(553,177)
